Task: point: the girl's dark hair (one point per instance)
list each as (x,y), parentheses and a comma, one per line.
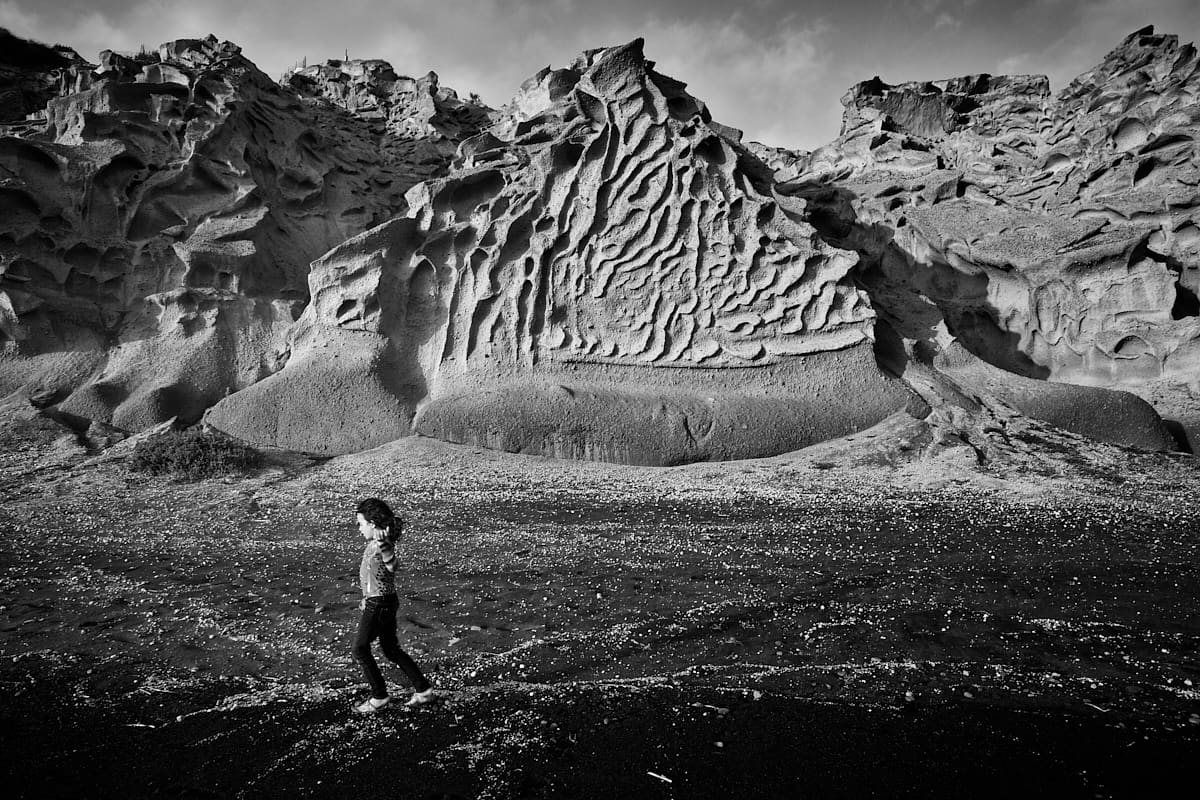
(377,512)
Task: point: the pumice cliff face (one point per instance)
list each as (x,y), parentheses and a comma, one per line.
(1053,236)
(599,269)
(157,222)
(615,279)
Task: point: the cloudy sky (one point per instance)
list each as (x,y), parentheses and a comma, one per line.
(773,68)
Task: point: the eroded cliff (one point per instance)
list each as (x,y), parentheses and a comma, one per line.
(600,269)
(1053,236)
(616,279)
(158,226)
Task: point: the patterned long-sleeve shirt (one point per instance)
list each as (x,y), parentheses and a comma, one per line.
(377,572)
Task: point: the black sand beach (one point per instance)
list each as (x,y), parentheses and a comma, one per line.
(787,627)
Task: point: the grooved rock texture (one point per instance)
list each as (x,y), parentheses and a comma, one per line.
(1056,236)
(606,274)
(156,233)
(599,269)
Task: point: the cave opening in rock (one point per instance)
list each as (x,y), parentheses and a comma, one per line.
(1180,434)
(1187,304)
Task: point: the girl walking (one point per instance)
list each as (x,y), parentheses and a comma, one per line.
(376,576)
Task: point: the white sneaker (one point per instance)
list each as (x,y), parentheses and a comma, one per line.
(420,698)
(371,705)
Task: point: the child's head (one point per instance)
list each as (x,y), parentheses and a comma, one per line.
(376,520)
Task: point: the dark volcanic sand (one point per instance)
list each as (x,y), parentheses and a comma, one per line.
(777,628)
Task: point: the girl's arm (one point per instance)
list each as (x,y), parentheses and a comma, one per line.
(387,554)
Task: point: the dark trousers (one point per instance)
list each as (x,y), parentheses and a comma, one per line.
(378,621)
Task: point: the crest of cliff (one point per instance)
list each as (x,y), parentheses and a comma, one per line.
(32,73)
(417,123)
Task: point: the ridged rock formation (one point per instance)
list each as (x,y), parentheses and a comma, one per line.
(615,279)
(599,269)
(1053,236)
(156,235)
